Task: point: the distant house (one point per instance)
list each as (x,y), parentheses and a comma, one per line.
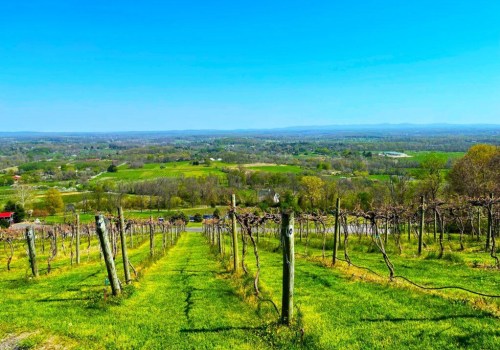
(393,154)
(16,177)
(268,194)
(7,215)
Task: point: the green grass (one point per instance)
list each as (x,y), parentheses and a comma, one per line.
(295,169)
(444,156)
(186,299)
(183,301)
(156,170)
(339,308)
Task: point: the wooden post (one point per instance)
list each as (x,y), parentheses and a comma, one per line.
(386,232)
(102,232)
(124,246)
(489,231)
(30,238)
(478,222)
(235,236)
(422,221)
(287,223)
(151,238)
(336,232)
(435,224)
(77,239)
(409,229)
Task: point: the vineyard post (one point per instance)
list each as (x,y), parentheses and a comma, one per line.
(478,222)
(336,231)
(30,238)
(124,246)
(102,232)
(490,223)
(435,224)
(151,237)
(77,239)
(235,235)
(422,221)
(287,223)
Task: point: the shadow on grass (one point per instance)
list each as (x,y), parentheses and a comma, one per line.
(221,329)
(419,319)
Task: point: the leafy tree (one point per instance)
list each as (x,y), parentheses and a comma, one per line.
(311,189)
(112,168)
(19,212)
(198,217)
(53,201)
(477,173)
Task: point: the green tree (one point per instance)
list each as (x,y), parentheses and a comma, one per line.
(53,201)
(477,173)
(19,212)
(312,189)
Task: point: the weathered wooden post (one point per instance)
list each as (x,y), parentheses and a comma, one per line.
(235,235)
(287,223)
(422,221)
(151,237)
(386,232)
(102,232)
(77,224)
(489,231)
(336,232)
(124,246)
(478,222)
(30,238)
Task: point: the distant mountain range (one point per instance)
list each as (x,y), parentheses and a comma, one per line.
(345,130)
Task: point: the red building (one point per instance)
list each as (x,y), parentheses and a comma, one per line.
(7,215)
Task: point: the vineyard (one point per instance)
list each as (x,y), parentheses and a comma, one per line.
(422,276)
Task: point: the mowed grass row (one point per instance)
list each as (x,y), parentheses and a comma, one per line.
(471,268)
(340,311)
(183,301)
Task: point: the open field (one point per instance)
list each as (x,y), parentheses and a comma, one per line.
(157,170)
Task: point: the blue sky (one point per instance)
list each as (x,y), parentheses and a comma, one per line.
(164,65)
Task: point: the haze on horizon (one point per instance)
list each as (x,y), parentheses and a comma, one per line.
(168,65)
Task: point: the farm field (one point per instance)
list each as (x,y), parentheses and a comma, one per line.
(157,170)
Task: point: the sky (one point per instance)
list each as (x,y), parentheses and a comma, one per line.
(174,65)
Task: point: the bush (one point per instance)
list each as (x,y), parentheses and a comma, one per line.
(4,223)
(198,217)
(112,168)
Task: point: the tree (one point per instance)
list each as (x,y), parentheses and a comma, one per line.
(476,174)
(53,201)
(312,187)
(19,212)
(112,168)
(24,194)
(431,179)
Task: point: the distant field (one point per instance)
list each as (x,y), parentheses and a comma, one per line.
(445,156)
(275,168)
(156,170)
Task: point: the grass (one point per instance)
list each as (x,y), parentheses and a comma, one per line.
(156,170)
(186,299)
(183,301)
(340,309)
(295,169)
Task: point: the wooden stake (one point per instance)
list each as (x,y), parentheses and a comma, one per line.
(77,239)
(235,236)
(124,246)
(102,232)
(422,221)
(336,232)
(287,223)
(30,238)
